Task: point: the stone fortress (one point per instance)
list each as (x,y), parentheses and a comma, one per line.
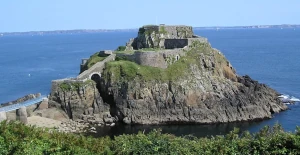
(156,46)
(159,46)
(209,92)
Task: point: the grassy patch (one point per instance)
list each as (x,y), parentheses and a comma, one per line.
(93,60)
(126,70)
(125,52)
(121,48)
(150,49)
(73,86)
(162,30)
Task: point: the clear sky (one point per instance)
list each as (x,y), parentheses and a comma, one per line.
(35,15)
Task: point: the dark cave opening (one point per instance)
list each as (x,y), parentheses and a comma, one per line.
(106,96)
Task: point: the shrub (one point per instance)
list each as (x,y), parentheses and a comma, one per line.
(93,60)
(121,48)
(16,138)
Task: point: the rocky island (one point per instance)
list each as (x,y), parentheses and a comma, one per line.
(167,74)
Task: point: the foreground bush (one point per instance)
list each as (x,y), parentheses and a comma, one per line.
(16,138)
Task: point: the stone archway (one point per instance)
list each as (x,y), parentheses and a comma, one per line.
(96,76)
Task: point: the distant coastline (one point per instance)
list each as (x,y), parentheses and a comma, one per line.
(136,29)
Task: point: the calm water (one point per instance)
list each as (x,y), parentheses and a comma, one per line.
(271,56)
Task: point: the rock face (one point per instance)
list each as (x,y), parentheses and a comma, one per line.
(208,91)
(200,86)
(22,115)
(78,100)
(3,116)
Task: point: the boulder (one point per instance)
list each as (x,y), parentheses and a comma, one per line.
(127,120)
(22,115)
(108,120)
(3,116)
(43,104)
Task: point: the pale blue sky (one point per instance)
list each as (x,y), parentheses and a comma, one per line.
(35,15)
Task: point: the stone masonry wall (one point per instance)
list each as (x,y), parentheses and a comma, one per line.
(159,59)
(154,36)
(176,32)
(98,67)
(198,39)
(154,59)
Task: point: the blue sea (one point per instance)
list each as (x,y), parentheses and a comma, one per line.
(28,63)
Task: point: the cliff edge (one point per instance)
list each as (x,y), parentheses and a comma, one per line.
(165,75)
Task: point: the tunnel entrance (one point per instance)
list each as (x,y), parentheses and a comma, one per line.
(96,78)
(106,96)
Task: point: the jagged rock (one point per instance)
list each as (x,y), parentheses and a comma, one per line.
(3,116)
(43,105)
(76,104)
(98,121)
(126,120)
(108,120)
(97,116)
(91,111)
(22,115)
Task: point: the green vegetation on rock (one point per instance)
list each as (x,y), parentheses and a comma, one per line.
(162,30)
(97,57)
(16,138)
(74,86)
(121,48)
(124,70)
(127,70)
(149,49)
(125,52)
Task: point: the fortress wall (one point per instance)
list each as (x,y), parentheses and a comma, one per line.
(200,39)
(153,58)
(130,57)
(173,53)
(177,32)
(150,58)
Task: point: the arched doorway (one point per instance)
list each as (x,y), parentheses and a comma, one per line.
(96,77)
